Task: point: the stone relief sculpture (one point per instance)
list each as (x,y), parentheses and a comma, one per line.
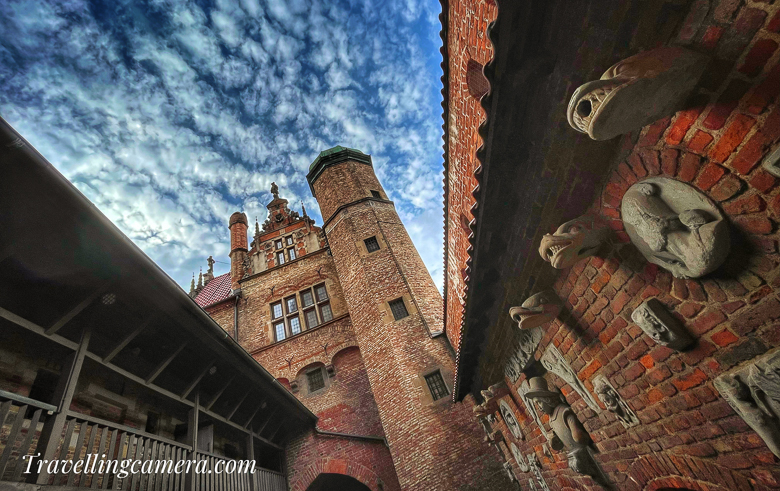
(573,241)
(676,227)
(653,318)
(524,467)
(613,402)
(510,420)
(554,362)
(536,467)
(635,92)
(524,345)
(510,473)
(569,432)
(537,310)
(754,393)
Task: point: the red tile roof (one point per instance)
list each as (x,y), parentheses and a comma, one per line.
(215,291)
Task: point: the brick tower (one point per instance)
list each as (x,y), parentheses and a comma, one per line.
(397,318)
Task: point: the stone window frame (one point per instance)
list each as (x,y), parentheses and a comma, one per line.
(425,395)
(371,242)
(438,379)
(318,306)
(387,313)
(322,369)
(363,249)
(375,193)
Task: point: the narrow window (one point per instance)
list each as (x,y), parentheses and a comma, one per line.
(436,385)
(322,293)
(371,244)
(279,258)
(279,244)
(316,380)
(311,319)
(292,304)
(289,240)
(276,310)
(152,422)
(398,308)
(325,312)
(291,252)
(279,329)
(376,194)
(295,325)
(306,298)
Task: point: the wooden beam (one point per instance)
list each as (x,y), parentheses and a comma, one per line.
(76,310)
(198,379)
(230,416)
(190,480)
(237,426)
(63,396)
(249,421)
(219,393)
(31,326)
(162,366)
(127,340)
(139,380)
(276,431)
(270,417)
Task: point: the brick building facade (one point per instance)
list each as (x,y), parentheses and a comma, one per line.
(676,423)
(348,319)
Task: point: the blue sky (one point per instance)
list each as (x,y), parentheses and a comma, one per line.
(171,115)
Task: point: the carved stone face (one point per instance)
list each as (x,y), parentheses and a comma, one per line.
(635,92)
(676,227)
(574,240)
(537,310)
(547,405)
(608,397)
(651,325)
(509,419)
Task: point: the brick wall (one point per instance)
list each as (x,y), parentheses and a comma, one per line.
(466,26)
(689,436)
(435,445)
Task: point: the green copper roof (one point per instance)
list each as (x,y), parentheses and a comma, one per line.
(334,156)
(330,151)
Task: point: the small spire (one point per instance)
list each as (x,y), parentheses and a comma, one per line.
(192,285)
(257,227)
(304,209)
(200,279)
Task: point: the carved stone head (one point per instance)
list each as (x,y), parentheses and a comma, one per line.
(676,227)
(545,399)
(537,310)
(613,402)
(573,241)
(653,318)
(608,396)
(635,92)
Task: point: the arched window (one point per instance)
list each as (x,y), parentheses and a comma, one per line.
(477,83)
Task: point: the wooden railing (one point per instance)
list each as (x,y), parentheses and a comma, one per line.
(118,443)
(18,432)
(264,479)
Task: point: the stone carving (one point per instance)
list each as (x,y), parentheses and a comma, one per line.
(536,467)
(524,347)
(529,406)
(754,393)
(635,92)
(537,310)
(653,318)
(510,472)
(554,362)
(510,420)
(569,432)
(574,240)
(772,162)
(524,467)
(275,190)
(676,227)
(613,402)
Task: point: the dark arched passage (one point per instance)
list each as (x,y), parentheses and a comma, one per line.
(336,482)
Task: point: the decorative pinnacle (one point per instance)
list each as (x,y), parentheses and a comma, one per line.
(200,279)
(304,209)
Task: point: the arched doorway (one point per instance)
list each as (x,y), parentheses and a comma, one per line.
(336,482)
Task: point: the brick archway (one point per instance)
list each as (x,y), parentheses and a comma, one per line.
(335,466)
(675,473)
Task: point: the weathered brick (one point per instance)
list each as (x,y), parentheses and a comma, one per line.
(726,103)
(689,166)
(757,57)
(710,175)
(745,204)
(754,224)
(732,137)
(726,188)
(699,141)
(763,181)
